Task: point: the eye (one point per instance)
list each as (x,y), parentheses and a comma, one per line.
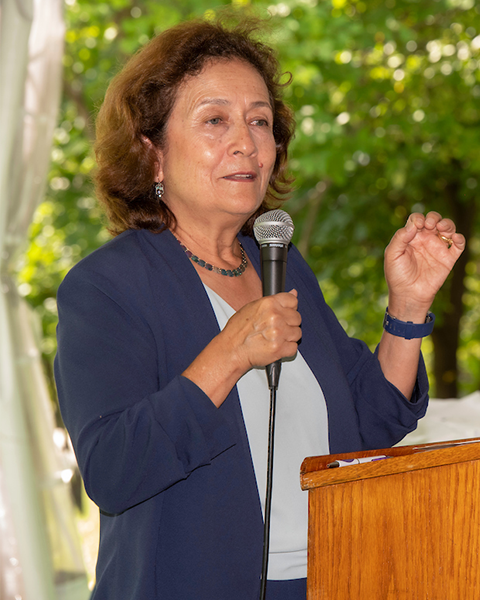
(261,122)
(215,120)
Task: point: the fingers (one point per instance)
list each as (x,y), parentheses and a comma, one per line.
(266,330)
(459,241)
(432,223)
(432,219)
(280,319)
(286,298)
(446,231)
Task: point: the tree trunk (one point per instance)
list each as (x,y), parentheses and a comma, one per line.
(445,335)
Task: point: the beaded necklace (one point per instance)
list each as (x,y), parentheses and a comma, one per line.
(226,272)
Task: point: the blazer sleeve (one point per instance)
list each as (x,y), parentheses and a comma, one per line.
(135,430)
(382,414)
(385,415)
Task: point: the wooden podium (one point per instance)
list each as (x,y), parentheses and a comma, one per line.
(403,528)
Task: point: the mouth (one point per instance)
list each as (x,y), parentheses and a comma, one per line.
(241,177)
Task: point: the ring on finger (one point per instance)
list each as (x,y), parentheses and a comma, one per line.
(445,239)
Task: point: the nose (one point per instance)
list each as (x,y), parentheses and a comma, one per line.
(242,141)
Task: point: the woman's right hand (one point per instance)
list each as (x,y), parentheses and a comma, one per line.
(260,333)
(264,331)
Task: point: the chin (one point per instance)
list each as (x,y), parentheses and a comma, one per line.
(249,204)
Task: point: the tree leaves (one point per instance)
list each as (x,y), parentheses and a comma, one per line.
(386,98)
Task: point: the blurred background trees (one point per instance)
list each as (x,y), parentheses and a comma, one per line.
(386,96)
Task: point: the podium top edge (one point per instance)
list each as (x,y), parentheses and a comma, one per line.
(315,472)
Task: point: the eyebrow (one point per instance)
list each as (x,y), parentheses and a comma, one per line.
(224,102)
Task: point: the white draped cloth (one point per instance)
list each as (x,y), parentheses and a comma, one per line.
(38,548)
(448,420)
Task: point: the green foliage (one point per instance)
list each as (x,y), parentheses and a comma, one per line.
(386,96)
(387,103)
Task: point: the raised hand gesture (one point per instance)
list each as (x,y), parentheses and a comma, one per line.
(417,261)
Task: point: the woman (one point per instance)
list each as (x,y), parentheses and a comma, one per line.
(161,354)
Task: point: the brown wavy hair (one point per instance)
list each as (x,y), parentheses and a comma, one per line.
(138,104)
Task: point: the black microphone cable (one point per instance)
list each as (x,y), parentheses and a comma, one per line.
(268,494)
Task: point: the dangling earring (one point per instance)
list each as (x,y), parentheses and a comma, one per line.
(159,189)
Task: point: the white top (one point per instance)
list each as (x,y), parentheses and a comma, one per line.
(301,430)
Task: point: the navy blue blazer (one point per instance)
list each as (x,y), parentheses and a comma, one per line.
(171,473)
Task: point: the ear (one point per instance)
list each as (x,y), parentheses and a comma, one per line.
(160,173)
(159,154)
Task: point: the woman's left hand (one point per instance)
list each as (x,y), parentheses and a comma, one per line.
(417,261)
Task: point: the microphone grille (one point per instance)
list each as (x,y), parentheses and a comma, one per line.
(273,226)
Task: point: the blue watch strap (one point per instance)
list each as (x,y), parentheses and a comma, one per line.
(407,329)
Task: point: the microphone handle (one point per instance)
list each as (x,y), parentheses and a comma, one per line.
(274,268)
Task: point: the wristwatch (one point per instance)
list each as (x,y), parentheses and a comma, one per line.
(407,329)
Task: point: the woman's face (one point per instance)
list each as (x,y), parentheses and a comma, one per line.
(220,149)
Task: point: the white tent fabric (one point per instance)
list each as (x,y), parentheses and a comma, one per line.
(448,420)
(40,557)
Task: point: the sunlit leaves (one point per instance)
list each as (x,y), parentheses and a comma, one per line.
(390,120)
(386,96)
